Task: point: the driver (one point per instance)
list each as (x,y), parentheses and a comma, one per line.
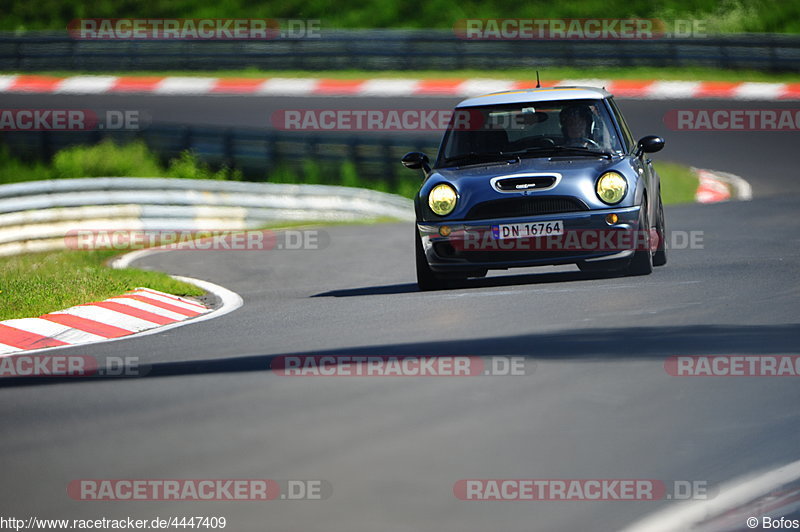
(576,125)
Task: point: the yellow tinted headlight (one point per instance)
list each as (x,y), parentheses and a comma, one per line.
(611,188)
(442,199)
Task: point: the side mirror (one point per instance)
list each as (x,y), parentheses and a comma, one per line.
(415,160)
(649,144)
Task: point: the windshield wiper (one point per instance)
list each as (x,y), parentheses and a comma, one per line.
(539,151)
(574,150)
(477,158)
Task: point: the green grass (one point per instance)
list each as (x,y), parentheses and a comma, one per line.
(107,159)
(678,182)
(38,283)
(548,75)
(725,15)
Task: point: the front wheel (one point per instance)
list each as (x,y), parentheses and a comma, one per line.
(642,260)
(660,256)
(426,278)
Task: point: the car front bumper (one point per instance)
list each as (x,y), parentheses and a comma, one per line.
(462,246)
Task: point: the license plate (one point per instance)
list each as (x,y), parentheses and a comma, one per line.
(527,230)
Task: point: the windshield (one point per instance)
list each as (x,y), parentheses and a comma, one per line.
(477,134)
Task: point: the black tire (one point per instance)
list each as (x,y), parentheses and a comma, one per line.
(660,256)
(426,278)
(642,260)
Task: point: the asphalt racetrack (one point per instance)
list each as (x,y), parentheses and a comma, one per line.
(597,402)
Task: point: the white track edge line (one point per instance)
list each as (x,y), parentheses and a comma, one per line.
(731,495)
(125,260)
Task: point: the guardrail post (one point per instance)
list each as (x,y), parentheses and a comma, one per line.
(45,145)
(187,138)
(724,56)
(72,59)
(273,156)
(227,148)
(352,151)
(388,163)
(773,57)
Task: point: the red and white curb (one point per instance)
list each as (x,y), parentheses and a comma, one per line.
(135,311)
(280,86)
(139,312)
(721,186)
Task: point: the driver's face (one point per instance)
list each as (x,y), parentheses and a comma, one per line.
(574,126)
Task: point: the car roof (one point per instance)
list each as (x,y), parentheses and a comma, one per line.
(548,94)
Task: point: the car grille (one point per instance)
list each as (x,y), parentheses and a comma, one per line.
(515,184)
(524,206)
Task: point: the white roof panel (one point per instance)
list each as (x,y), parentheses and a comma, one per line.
(536,95)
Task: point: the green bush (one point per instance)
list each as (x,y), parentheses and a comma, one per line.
(106,159)
(13,170)
(187,166)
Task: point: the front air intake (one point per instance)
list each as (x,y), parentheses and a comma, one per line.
(523,183)
(525,206)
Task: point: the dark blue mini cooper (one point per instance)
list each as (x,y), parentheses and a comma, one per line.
(538,177)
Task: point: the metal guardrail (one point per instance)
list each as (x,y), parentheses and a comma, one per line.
(439,50)
(38,216)
(255,152)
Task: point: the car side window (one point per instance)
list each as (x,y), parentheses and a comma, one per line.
(626,132)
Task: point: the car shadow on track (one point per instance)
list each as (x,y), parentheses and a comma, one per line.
(587,345)
(486,282)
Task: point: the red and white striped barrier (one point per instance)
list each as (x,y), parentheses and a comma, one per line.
(133,312)
(716,186)
(280,86)
(711,189)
